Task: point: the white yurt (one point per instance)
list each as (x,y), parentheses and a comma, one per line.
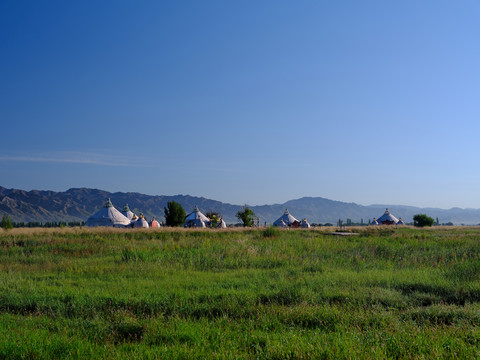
(108,216)
(387,219)
(140,223)
(154,223)
(287,219)
(304,224)
(127,212)
(196,219)
(222,224)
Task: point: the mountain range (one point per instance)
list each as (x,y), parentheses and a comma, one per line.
(79,203)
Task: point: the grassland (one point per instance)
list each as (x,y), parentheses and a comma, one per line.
(268,294)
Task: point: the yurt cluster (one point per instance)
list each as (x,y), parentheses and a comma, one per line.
(110,216)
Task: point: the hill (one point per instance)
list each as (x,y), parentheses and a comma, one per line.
(78,204)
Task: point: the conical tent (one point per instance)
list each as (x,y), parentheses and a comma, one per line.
(400,222)
(305,224)
(141,222)
(196,219)
(287,218)
(127,212)
(387,219)
(108,216)
(154,223)
(374,222)
(222,224)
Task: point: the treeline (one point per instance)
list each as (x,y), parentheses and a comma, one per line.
(48,224)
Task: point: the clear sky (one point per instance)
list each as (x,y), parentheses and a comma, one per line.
(244,101)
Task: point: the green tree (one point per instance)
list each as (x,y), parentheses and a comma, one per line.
(247,217)
(421,220)
(6,222)
(174,214)
(214,217)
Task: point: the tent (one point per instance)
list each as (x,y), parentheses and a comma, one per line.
(140,223)
(154,223)
(304,224)
(387,219)
(127,212)
(222,224)
(196,219)
(400,222)
(287,219)
(374,222)
(108,216)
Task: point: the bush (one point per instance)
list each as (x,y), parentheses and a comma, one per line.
(6,222)
(421,220)
(174,214)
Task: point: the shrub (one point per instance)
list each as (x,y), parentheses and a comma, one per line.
(421,220)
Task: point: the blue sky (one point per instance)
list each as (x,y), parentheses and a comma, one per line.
(244,102)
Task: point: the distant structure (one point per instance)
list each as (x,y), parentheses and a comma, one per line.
(386,219)
(140,223)
(304,224)
(128,213)
(108,216)
(196,219)
(154,223)
(287,220)
(400,222)
(374,222)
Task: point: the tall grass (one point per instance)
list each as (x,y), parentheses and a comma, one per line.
(268,293)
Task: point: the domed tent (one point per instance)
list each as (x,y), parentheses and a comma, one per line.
(140,223)
(108,216)
(387,219)
(127,212)
(154,223)
(305,224)
(196,219)
(288,220)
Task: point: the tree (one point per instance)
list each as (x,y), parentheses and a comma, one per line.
(174,214)
(215,218)
(247,216)
(421,220)
(6,222)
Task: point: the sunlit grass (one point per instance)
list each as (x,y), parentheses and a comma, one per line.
(266,293)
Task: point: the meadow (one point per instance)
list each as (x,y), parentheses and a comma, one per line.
(395,293)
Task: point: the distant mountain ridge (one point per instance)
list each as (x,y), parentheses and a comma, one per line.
(78,204)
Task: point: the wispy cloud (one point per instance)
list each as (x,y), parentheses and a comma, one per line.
(78,158)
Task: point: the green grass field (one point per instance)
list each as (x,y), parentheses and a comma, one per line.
(267,294)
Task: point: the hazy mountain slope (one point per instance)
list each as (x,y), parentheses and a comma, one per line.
(79,204)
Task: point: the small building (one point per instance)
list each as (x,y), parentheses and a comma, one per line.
(140,223)
(196,219)
(374,222)
(154,223)
(304,224)
(108,216)
(387,219)
(128,213)
(287,219)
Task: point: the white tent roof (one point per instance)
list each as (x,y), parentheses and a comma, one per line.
(287,218)
(222,224)
(127,212)
(108,216)
(141,222)
(196,215)
(387,217)
(305,224)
